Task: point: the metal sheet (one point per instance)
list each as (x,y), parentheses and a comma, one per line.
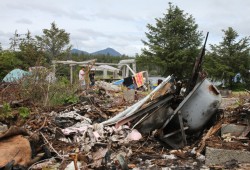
(200,105)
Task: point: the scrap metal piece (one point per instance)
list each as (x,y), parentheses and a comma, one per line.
(143,111)
(196,110)
(155,120)
(132,109)
(199,106)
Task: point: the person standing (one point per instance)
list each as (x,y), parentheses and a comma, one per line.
(82,77)
(92,78)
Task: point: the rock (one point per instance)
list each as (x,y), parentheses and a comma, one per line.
(129,95)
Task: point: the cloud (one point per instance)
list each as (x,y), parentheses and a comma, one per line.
(24,21)
(4,39)
(120,24)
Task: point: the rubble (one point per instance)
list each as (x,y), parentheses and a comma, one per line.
(115,128)
(222,156)
(122,145)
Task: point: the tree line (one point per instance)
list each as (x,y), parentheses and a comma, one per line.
(174,42)
(54,44)
(171,47)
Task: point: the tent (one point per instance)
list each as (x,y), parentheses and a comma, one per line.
(105,67)
(15,75)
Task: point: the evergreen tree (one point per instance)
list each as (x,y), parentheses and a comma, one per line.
(230,57)
(14,41)
(30,53)
(55,42)
(172,43)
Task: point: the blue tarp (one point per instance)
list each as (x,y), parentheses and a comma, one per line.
(15,75)
(118,82)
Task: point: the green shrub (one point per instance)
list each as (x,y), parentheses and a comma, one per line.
(71,99)
(239,87)
(46,94)
(5,111)
(62,92)
(24,112)
(6,107)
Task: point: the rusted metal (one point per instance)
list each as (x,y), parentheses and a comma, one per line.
(213,90)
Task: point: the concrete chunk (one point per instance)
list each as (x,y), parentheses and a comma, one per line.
(220,156)
(129,95)
(235,130)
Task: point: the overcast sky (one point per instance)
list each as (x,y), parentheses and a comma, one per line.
(120,24)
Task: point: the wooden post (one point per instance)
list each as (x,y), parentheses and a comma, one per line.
(182,128)
(127,70)
(71,74)
(134,66)
(123,71)
(105,73)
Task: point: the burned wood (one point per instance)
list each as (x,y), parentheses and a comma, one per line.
(197,68)
(210,132)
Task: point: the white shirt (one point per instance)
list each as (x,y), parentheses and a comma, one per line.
(81,75)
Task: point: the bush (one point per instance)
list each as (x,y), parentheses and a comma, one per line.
(46,94)
(5,111)
(62,92)
(239,86)
(24,112)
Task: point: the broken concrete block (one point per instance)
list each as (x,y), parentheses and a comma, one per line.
(129,95)
(220,156)
(234,130)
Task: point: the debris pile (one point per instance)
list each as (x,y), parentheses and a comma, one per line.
(172,127)
(77,136)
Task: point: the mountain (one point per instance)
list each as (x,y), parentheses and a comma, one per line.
(76,51)
(107,51)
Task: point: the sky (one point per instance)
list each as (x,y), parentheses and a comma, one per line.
(119,24)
